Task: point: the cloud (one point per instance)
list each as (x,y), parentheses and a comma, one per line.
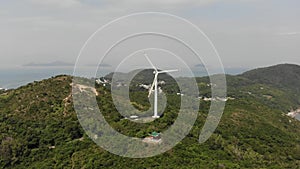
(289,33)
(139,4)
(41,29)
(170,2)
(57,3)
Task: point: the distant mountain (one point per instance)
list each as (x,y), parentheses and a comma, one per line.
(142,76)
(100,65)
(51,64)
(283,76)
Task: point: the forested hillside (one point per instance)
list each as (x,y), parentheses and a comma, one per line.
(39,127)
(283,76)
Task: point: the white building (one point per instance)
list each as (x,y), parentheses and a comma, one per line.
(159,90)
(206,99)
(222,99)
(162,82)
(292,114)
(101,81)
(134,117)
(144,86)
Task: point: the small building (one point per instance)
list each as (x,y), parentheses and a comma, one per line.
(101,81)
(153,138)
(159,90)
(222,99)
(162,82)
(154,135)
(206,99)
(134,117)
(180,94)
(145,86)
(51,147)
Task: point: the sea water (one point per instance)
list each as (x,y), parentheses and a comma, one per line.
(13,78)
(16,77)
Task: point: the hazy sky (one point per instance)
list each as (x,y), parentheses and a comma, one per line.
(247,33)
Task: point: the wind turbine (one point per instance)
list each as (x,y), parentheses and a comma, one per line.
(154,84)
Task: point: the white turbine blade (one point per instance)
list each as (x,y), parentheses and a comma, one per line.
(152,86)
(146,56)
(150,90)
(168,71)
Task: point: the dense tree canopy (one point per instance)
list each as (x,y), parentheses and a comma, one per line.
(39,127)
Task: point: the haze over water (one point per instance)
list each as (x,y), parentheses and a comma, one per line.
(13,78)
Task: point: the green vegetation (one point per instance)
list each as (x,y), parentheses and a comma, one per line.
(39,127)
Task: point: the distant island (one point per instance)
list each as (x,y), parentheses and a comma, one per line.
(50,64)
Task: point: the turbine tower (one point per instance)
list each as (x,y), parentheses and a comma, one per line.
(154,84)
